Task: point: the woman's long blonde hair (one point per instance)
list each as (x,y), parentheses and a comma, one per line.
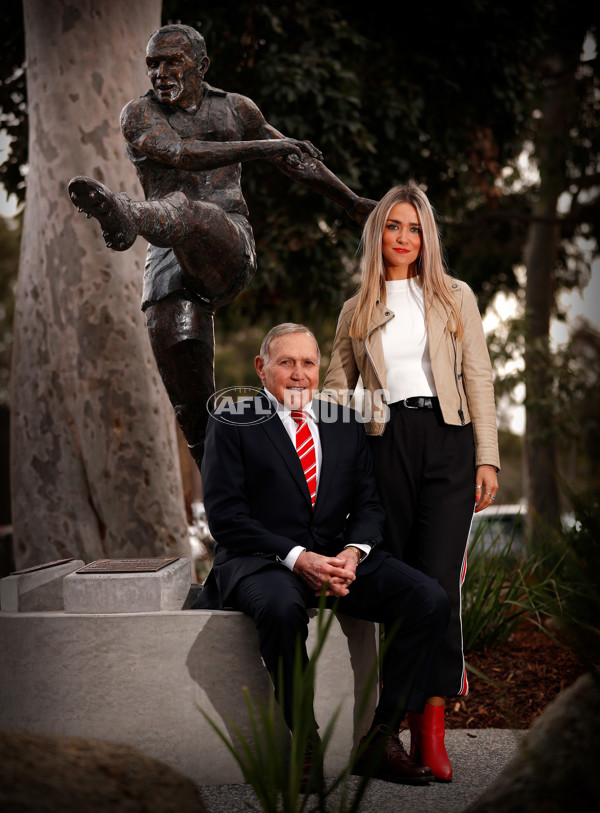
(432,276)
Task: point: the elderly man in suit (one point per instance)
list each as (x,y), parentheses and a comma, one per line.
(292,505)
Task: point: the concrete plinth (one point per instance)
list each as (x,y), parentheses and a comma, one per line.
(143,679)
(122,592)
(37,589)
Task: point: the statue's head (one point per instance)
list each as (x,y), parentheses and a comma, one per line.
(177,61)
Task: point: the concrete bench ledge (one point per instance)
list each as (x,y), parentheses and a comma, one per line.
(142,678)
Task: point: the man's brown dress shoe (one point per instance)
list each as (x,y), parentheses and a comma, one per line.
(385,758)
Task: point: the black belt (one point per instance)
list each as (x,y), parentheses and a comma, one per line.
(418,402)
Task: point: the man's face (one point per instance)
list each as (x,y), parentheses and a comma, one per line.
(291,371)
(175,74)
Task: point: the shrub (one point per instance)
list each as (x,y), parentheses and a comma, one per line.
(495,593)
(566,587)
(556,575)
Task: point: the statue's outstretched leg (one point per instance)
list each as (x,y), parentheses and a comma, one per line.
(215,249)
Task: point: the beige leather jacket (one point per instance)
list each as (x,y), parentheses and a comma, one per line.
(462,372)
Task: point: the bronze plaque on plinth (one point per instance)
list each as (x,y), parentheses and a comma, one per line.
(127,565)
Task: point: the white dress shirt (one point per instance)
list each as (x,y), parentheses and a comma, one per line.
(290,426)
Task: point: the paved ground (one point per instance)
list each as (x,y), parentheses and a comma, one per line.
(477,756)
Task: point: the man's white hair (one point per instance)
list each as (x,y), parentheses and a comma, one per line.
(285,329)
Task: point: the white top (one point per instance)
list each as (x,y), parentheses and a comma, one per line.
(405,342)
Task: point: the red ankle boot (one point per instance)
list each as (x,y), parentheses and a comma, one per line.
(427,741)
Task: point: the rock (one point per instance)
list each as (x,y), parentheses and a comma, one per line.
(47,774)
(556,767)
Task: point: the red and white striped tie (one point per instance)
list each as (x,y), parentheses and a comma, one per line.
(305,446)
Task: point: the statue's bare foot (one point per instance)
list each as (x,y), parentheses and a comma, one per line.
(114,211)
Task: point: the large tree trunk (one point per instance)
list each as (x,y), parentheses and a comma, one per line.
(541,254)
(95,471)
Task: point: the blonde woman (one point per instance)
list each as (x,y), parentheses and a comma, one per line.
(414,335)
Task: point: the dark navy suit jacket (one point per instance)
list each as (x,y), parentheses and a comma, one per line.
(257,501)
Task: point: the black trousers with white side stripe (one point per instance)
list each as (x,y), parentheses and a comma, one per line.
(425,471)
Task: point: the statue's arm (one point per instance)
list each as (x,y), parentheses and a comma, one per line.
(309,170)
(145,129)
(314,174)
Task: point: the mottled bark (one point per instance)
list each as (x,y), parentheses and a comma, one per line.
(95,469)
